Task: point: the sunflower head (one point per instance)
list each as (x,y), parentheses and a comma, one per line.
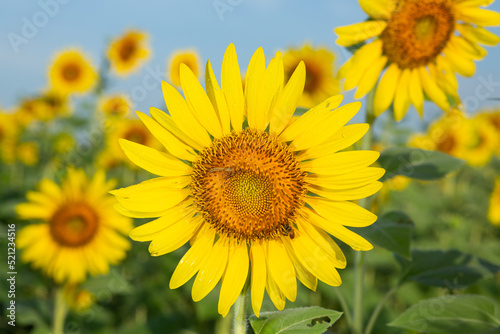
(72,72)
(190,58)
(255,191)
(78,233)
(117,105)
(128,52)
(416,47)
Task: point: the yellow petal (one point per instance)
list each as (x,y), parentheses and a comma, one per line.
(199,102)
(341,163)
(386,89)
(232,88)
(254,79)
(342,139)
(182,116)
(269,91)
(345,181)
(217,98)
(478,16)
(378,9)
(194,257)
(432,90)
(286,103)
(370,77)
(415,91)
(50,188)
(211,271)
(167,122)
(310,254)
(152,184)
(361,61)
(259,275)
(173,145)
(135,214)
(149,231)
(29,234)
(347,194)
(281,268)
(359,32)
(33,211)
(402,96)
(355,241)
(174,236)
(304,275)
(343,212)
(472,50)
(478,34)
(234,278)
(274,292)
(154,161)
(461,64)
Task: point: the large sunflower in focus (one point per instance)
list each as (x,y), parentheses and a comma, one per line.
(72,72)
(320,78)
(423,43)
(254,192)
(80,233)
(128,52)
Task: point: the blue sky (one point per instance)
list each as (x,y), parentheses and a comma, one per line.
(273,24)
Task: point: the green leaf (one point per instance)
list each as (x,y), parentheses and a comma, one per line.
(299,111)
(306,320)
(450,314)
(450,269)
(392,231)
(417,164)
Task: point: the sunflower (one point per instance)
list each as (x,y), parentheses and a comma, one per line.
(28,153)
(118,105)
(493,118)
(494,209)
(423,43)
(56,104)
(483,143)
(71,72)
(254,192)
(320,78)
(128,52)
(80,233)
(188,57)
(9,131)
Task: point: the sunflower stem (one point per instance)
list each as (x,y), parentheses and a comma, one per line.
(240,314)
(60,311)
(378,308)
(359,263)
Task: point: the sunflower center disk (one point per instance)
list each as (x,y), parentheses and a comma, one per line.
(248,186)
(127,50)
(74,225)
(418,31)
(71,72)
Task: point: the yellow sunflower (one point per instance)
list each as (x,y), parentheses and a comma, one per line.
(188,57)
(483,143)
(28,152)
(56,104)
(115,105)
(493,118)
(320,77)
(254,193)
(9,131)
(71,72)
(80,233)
(422,43)
(128,52)
(494,209)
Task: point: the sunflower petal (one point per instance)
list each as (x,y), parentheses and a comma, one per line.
(386,89)
(347,194)
(174,236)
(345,181)
(370,77)
(259,276)
(359,32)
(345,213)
(217,98)
(402,96)
(341,163)
(167,122)
(415,91)
(281,268)
(232,88)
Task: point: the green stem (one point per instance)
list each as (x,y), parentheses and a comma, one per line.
(60,311)
(378,308)
(345,307)
(359,263)
(240,316)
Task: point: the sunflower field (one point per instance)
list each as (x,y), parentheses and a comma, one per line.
(261,167)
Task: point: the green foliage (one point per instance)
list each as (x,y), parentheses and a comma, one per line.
(417,164)
(306,320)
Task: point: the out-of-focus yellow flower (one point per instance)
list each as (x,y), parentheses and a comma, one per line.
(188,57)
(29,110)
(483,143)
(128,52)
(8,136)
(72,72)
(63,143)
(493,118)
(422,43)
(80,232)
(27,153)
(494,209)
(320,77)
(117,105)
(56,104)
(78,299)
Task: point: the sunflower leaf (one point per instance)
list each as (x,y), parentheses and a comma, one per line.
(450,269)
(298,320)
(417,164)
(393,231)
(449,314)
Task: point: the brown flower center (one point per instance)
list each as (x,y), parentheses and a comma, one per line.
(71,72)
(248,186)
(127,49)
(137,135)
(447,143)
(418,31)
(74,224)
